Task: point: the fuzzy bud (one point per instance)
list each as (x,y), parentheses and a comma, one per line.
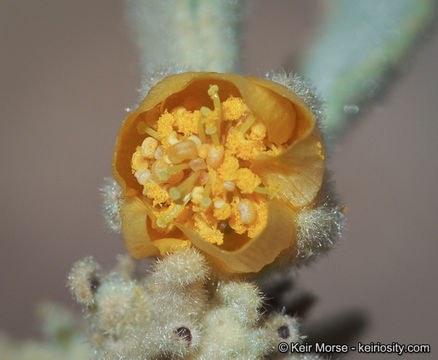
(84,280)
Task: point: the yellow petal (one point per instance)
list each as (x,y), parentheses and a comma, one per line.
(295,175)
(278,235)
(277,112)
(140,240)
(170,245)
(304,120)
(134,228)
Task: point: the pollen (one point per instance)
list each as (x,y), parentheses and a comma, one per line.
(156,193)
(208,232)
(194,169)
(165,127)
(258,132)
(233,108)
(197,194)
(222,212)
(186,121)
(248,216)
(238,145)
(261,209)
(229,167)
(247,181)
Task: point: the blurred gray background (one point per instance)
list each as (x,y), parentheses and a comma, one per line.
(68,70)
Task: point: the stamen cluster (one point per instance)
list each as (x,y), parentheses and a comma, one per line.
(195,169)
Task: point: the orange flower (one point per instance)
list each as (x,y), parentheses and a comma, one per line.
(220,162)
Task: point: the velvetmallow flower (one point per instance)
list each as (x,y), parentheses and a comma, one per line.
(221,162)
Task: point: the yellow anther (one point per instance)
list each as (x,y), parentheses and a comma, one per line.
(166,159)
(223,212)
(138,161)
(159,152)
(258,131)
(197,194)
(148,147)
(158,167)
(142,176)
(247,181)
(203,178)
(203,150)
(156,193)
(241,147)
(186,121)
(196,140)
(207,231)
(219,203)
(172,139)
(233,109)
(229,167)
(215,156)
(197,164)
(229,185)
(247,211)
(182,151)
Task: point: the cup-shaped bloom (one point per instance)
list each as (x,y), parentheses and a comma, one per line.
(221,162)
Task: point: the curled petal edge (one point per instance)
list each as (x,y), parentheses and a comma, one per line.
(297,174)
(134,215)
(259,251)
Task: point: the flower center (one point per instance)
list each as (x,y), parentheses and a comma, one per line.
(194,167)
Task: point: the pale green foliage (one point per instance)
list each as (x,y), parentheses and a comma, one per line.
(178,310)
(198,34)
(357,47)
